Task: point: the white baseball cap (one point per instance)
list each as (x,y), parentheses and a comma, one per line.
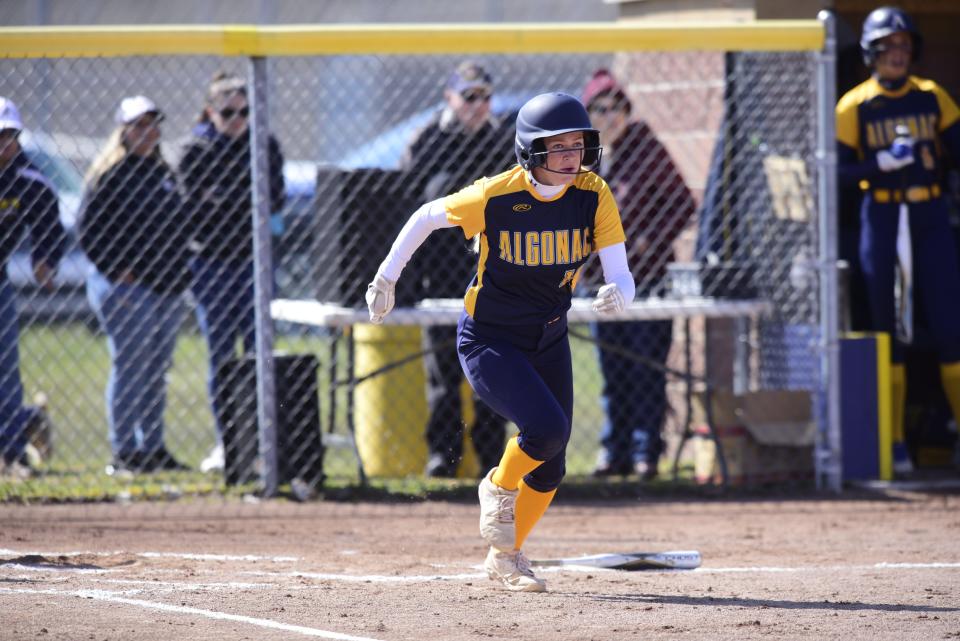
(134,107)
(9,115)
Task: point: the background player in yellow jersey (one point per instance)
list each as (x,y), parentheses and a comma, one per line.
(536,225)
(893,130)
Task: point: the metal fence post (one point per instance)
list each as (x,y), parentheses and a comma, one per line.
(829,470)
(263,272)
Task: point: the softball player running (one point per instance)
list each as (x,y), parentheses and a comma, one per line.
(903,173)
(537,224)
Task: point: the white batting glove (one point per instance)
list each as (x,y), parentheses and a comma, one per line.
(898,156)
(888,162)
(609,299)
(380,298)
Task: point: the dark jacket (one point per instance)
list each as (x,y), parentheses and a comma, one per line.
(134,221)
(442,159)
(654,202)
(216,174)
(28,202)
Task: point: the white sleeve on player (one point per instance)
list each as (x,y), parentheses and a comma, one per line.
(613,259)
(431,216)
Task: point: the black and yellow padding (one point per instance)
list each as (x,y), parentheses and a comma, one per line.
(868,405)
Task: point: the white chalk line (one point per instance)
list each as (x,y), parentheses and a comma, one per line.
(177,586)
(161,587)
(154,555)
(220,557)
(25,567)
(423,578)
(371,578)
(832,568)
(102,595)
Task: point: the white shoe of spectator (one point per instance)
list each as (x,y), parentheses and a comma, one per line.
(214,461)
(512,569)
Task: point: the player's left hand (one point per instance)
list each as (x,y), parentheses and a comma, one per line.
(609,299)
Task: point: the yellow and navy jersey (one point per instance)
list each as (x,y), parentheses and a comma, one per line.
(531,247)
(867,117)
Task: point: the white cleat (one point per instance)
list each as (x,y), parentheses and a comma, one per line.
(512,569)
(497,526)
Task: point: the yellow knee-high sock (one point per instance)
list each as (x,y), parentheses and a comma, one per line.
(898,398)
(531,505)
(514,465)
(950,379)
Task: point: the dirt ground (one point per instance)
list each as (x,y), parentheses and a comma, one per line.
(882,565)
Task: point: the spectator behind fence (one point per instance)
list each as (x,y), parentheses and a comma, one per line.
(27,203)
(134,230)
(463,142)
(655,205)
(216,172)
(904,216)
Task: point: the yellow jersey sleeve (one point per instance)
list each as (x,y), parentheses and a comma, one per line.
(608,229)
(848,125)
(949,113)
(466,207)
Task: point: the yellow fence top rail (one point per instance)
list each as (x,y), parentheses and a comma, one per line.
(391,39)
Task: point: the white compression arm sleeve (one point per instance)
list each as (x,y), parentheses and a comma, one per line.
(425,220)
(613,259)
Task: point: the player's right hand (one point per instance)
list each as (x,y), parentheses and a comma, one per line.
(380,298)
(899,155)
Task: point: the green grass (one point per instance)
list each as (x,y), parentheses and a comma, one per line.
(70,364)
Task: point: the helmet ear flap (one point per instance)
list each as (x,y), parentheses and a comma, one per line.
(531,157)
(522,153)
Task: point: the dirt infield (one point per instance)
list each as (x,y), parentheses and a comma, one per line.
(880,566)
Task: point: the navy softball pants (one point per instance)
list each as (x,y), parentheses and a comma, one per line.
(525,374)
(936,271)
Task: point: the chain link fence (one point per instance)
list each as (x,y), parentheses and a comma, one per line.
(138,360)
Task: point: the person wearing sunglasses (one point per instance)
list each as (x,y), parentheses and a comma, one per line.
(135,232)
(28,205)
(216,173)
(655,205)
(464,140)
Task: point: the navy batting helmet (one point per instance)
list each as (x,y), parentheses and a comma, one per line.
(552,114)
(881,23)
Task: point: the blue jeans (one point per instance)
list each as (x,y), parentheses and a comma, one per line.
(634,395)
(12,415)
(141,327)
(225,311)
